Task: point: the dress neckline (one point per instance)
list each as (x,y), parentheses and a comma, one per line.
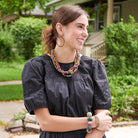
(62,62)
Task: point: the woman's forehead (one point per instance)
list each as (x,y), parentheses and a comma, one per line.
(82,20)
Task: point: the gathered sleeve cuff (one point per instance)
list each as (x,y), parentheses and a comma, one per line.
(102,95)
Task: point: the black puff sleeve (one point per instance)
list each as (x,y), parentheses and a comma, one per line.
(102,96)
(33,85)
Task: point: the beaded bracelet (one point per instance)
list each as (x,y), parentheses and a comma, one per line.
(97,120)
(89,127)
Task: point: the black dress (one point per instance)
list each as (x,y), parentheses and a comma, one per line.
(86,91)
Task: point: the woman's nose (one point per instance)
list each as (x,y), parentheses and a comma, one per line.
(85,33)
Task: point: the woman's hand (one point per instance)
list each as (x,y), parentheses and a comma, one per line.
(105,121)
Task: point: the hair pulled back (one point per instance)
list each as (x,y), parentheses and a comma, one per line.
(63,15)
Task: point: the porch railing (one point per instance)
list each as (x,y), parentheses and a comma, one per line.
(97,51)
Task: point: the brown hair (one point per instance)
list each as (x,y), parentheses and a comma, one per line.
(63,15)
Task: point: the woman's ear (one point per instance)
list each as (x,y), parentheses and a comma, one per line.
(59,28)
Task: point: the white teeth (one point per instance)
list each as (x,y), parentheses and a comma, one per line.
(80,40)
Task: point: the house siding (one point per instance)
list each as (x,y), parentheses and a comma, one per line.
(129,8)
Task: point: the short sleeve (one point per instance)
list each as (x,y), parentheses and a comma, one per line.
(102,95)
(33,86)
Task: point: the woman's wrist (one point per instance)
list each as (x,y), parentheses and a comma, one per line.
(97,120)
(94,123)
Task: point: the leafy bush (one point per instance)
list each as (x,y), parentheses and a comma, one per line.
(122,47)
(27,33)
(37,50)
(6,45)
(124,91)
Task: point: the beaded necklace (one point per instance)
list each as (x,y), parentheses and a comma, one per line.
(69,72)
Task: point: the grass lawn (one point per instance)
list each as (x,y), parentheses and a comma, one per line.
(11,92)
(10,71)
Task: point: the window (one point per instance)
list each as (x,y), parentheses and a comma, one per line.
(116,14)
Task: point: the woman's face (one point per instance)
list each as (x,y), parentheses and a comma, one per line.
(76,32)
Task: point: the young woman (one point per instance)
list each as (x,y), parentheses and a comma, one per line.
(61,87)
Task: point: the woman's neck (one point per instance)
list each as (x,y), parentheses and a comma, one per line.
(64,55)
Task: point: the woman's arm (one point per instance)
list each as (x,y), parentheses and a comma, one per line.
(105,124)
(56,123)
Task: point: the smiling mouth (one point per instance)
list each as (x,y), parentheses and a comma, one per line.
(80,41)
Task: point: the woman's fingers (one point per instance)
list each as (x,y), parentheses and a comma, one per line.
(105,120)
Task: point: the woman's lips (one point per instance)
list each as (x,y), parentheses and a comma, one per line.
(80,40)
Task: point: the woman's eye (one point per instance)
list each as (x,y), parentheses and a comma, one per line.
(80,26)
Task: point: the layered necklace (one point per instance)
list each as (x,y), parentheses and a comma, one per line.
(69,72)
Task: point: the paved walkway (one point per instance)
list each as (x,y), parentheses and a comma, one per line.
(28,136)
(8,109)
(11,82)
(3,133)
(123,132)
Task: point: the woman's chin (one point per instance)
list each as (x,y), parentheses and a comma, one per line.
(79,47)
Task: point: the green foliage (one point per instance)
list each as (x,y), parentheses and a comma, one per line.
(90,29)
(124,91)
(37,50)
(11,92)
(19,116)
(12,6)
(91,12)
(20,6)
(6,44)
(27,32)
(122,47)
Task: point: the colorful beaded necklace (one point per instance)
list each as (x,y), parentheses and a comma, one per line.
(71,71)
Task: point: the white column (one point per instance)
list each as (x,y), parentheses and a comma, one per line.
(110,12)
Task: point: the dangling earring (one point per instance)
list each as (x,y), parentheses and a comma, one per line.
(60,41)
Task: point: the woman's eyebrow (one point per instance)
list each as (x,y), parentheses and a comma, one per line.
(82,24)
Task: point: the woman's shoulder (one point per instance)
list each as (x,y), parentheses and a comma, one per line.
(89,60)
(38,60)
(37,63)
(91,63)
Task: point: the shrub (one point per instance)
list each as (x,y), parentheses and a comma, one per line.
(122,47)
(124,91)
(6,45)
(37,50)
(27,33)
